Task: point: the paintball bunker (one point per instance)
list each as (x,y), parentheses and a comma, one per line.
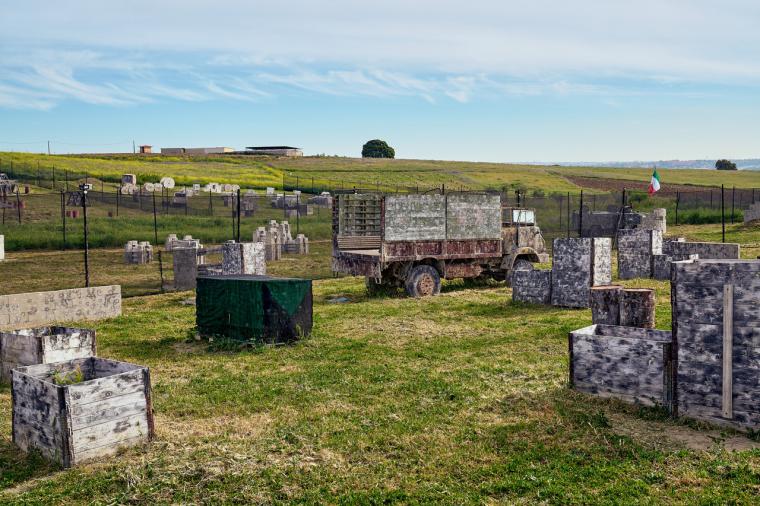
(260,308)
(705,369)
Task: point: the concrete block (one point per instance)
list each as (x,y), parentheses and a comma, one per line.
(45,308)
(752,213)
(185,261)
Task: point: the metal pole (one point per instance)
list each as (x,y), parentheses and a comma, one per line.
(678,201)
(118,198)
(238,215)
(723,212)
(86,241)
(210,204)
(568,215)
(161,270)
(234,230)
(580,217)
(63,217)
(18,205)
(155,220)
(733,202)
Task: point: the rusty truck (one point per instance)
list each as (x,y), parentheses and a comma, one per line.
(415,240)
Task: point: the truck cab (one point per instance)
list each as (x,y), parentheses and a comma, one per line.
(522,241)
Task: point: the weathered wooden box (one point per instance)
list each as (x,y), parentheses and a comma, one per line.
(74,423)
(43,345)
(631,364)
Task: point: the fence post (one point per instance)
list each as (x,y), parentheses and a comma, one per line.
(54,177)
(238,213)
(568,215)
(580,217)
(210,204)
(86,241)
(678,201)
(733,202)
(155,220)
(18,205)
(118,199)
(63,217)
(723,212)
(161,271)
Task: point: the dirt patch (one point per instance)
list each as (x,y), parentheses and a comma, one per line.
(605,184)
(666,435)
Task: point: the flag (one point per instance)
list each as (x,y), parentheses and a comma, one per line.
(654,184)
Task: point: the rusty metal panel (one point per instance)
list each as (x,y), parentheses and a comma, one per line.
(473,216)
(462,270)
(415,218)
(357,265)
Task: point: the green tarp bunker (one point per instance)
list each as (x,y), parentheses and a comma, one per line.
(262,308)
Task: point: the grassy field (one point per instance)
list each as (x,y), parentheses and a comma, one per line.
(341,172)
(451,400)
(30,270)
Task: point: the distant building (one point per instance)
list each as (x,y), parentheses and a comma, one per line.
(146,149)
(196,151)
(273,150)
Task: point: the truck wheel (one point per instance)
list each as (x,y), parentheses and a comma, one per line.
(423,281)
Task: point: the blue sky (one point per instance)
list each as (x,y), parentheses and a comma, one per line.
(588,80)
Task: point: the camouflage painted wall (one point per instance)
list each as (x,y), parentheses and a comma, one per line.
(473,216)
(439,217)
(532,286)
(705,250)
(578,264)
(635,251)
(415,217)
(697,295)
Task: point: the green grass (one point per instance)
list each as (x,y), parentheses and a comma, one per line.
(451,400)
(340,172)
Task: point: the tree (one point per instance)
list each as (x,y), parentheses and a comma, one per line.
(725,165)
(377,149)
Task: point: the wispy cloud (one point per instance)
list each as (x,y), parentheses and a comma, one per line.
(431,50)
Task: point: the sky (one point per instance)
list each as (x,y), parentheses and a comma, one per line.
(506,81)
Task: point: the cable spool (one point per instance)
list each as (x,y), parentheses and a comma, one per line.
(227,188)
(167,183)
(149,187)
(235,187)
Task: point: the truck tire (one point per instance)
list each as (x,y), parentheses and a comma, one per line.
(422,281)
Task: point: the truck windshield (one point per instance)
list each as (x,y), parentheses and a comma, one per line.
(523,216)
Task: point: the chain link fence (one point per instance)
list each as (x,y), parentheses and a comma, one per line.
(42,214)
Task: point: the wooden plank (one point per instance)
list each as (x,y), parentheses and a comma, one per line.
(88,454)
(107,367)
(728,356)
(104,388)
(110,433)
(85,415)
